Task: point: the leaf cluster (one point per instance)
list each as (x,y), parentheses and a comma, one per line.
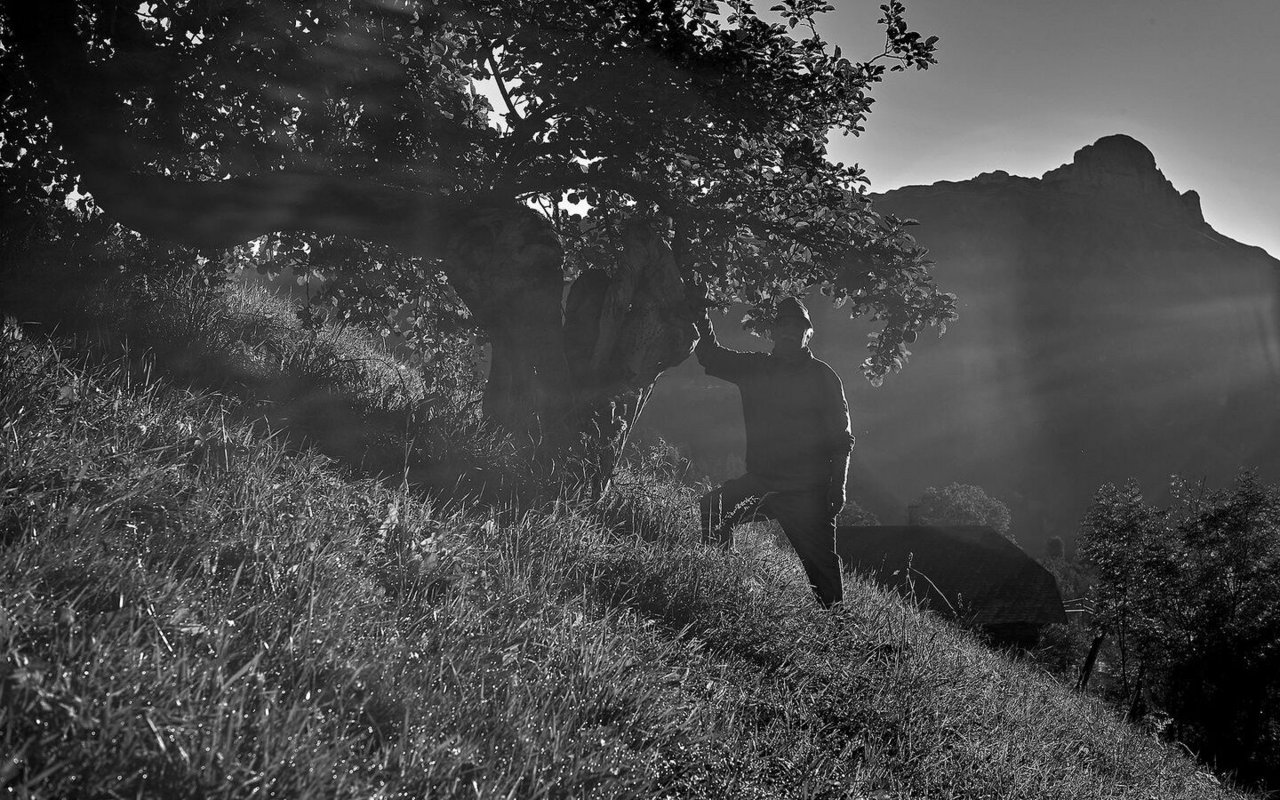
(717,122)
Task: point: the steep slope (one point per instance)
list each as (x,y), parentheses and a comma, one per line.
(1106,331)
(188,609)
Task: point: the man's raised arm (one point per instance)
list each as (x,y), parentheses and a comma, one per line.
(720,362)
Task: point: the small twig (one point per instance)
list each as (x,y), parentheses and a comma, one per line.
(502,86)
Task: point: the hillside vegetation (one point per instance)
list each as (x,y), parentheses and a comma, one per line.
(191,606)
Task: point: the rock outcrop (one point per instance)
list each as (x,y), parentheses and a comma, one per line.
(1124,170)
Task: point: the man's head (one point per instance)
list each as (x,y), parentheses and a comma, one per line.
(791,327)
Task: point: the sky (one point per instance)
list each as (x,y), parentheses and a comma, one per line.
(1020,85)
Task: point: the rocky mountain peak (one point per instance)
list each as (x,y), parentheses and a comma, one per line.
(1113,163)
(1118,154)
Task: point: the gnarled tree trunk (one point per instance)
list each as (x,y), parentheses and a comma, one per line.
(571,376)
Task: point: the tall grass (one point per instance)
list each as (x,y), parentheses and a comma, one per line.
(189,609)
(330,386)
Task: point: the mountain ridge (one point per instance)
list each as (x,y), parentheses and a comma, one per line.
(1114,164)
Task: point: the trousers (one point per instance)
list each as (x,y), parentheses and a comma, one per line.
(805,518)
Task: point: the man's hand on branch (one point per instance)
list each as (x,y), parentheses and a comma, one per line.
(703,323)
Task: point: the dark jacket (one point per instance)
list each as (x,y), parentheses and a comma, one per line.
(796,416)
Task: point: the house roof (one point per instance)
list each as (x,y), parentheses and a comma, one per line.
(965,571)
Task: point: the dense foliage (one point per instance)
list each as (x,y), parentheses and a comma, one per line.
(708,118)
(963,504)
(1191,591)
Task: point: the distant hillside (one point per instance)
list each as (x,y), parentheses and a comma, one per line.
(1106,331)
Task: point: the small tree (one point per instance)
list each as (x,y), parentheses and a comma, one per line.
(1054,549)
(1192,591)
(963,504)
(854,514)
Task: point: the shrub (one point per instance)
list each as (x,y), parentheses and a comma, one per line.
(1191,591)
(962,504)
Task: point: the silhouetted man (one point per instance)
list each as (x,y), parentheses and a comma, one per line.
(798,445)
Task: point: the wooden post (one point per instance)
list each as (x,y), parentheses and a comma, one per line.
(1086,669)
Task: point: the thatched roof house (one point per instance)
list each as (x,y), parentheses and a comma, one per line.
(966,572)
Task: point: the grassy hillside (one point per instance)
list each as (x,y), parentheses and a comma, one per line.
(191,608)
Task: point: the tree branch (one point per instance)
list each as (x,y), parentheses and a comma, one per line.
(88,122)
(502,86)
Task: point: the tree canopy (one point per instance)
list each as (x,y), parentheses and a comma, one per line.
(963,504)
(348,116)
(658,154)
